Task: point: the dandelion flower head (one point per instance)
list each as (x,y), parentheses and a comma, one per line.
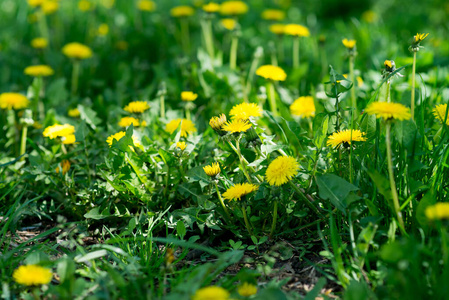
(439,211)
(49,7)
(296,30)
(247,289)
(273,15)
(77,51)
(239,190)
(187,126)
(84,5)
(64,166)
(233,8)
(271,72)
(244,111)
(281,170)
(146,5)
(182,11)
(303,107)
(39,71)
(388,110)
(57,130)
(350,44)
(217,122)
(419,37)
(13,101)
(440,113)
(181,145)
(118,136)
(212,170)
(211,7)
(277,28)
(74,113)
(103,29)
(32,275)
(236,126)
(127,121)
(39,43)
(188,96)
(137,107)
(344,136)
(228,23)
(211,293)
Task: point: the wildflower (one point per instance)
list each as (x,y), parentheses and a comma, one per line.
(278,29)
(137,107)
(273,15)
(182,11)
(417,39)
(13,101)
(228,23)
(146,5)
(217,123)
(103,29)
(440,113)
(187,126)
(233,8)
(58,130)
(281,170)
(49,7)
(74,113)
(77,51)
(107,3)
(271,72)
(247,289)
(181,145)
(369,16)
(212,170)
(30,275)
(303,107)
(84,5)
(68,139)
(239,190)
(390,66)
(211,7)
(244,111)
(39,43)
(127,121)
(344,137)
(39,71)
(350,44)
(64,166)
(117,136)
(439,211)
(236,126)
(211,292)
(35,3)
(296,30)
(388,110)
(188,96)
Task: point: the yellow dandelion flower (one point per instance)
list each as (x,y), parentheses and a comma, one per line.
(107,3)
(181,145)
(211,293)
(212,170)
(271,72)
(84,5)
(273,15)
(236,126)
(247,289)
(77,51)
(440,113)
(303,107)
(74,113)
(146,5)
(39,71)
(188,96)
(35,3)
(13,101)
(31,275)
(350,44)
(187,126)
(439,211)
(64,166)
(137,107)
(233,8)
(182,11)
(388,110)
(39,43)
(244,111)
(68,139)
(369,16)
(103,29)
(228,23)
(278,29)
(211,7)
(388,64)
(217,123)
(58,130)
(117,136)
(344,136)
(296,30)
(281,170)
(239,190)
(127,121)
(49,7)
(419,37)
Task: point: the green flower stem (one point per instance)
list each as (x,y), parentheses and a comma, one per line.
(39,105)
(304,198)
(242,162)
(251,73)
(245,161)
(280,48)
(274,59)
(245,218)
(387,93)
(166,181)
(351,77)
(43,27)
(162,105)
(63,149)
(272,98)
(23,141)
(188,114)
(75,76)
(222,202)
(296,52)
(275,216)
(351,176)
(206,26)
(233,54)
(185,35)
(394,192)
(412,104)
(323,62)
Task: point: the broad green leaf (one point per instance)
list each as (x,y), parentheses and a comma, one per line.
(335,189)
(89,116)
(96,215)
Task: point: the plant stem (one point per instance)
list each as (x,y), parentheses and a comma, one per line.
(233,54)
(351,77)
(296,52)
(185,35)
(412,104)
(221,201)
(245,161)
(252,71)
(206,25)
(272,98)
(275,216)
(75,76)
(242,163)
(394,192)
(245,218)
(162,105)
(307,201)
(23,141)
(280,48)
(387,93)
(43,28)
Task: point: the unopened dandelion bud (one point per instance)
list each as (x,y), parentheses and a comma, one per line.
(212,170)
(217,123)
